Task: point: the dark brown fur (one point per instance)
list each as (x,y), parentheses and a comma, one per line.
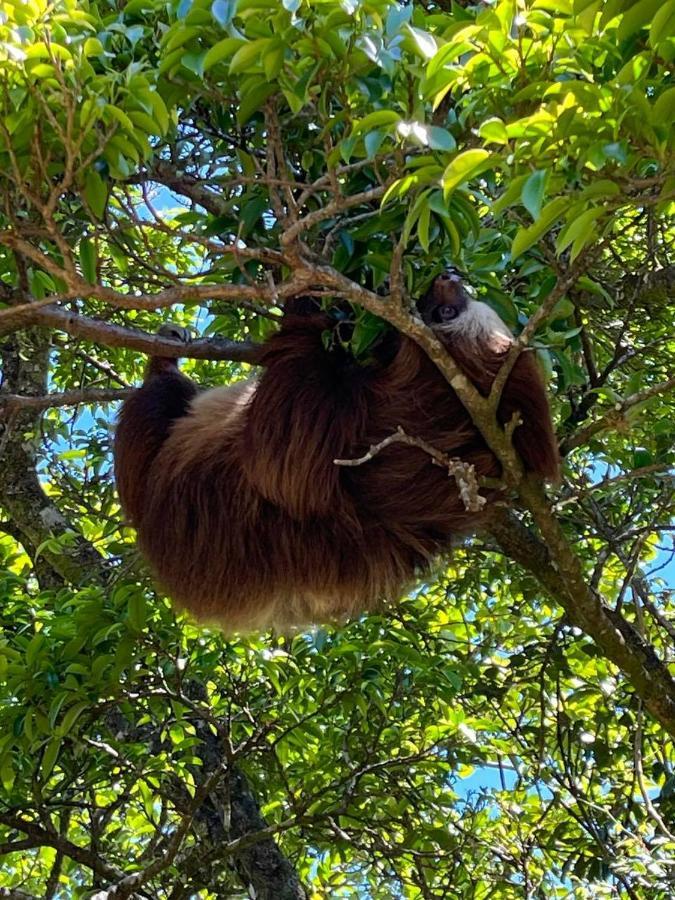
(242,513)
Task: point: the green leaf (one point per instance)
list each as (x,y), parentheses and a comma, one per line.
(43,71)
(373,141)
(72,454)
(440,139)
(7,772)
(642,457)
(137,611)
(159,110)
(34,648)
(253,100)
(424,41)
(423,227)
(494,131)
(583,239)
(176,733)
(71,716)
(247,57)
(194,61)
(463,167)
(376,120)
(511,195)
(49,758)
(663,24)
(563,309)
(40,50)
(526,237)
(120,116)
(88,260)
(55,709)
(273,60)
(92,47)
(398,189)
(601,188)
(638,16)
(664,108)
(222,50)
(533,192)
(251,211)
(170,61)
(367,329)
(414,214)
(179,37)
(580,226)
(144,122)
(40,284)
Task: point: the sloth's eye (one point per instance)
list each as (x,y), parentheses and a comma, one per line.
(446,313)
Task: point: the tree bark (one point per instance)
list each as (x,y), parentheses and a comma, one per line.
(25,362)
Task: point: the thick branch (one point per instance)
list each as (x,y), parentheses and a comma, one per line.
(479,407)
(10,403)
(111,335)
(25,362)
(45,838)
(555,566)
(164,172)
(15,894)
(226,818)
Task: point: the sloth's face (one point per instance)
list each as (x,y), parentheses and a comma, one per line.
(445,301)
(448,308)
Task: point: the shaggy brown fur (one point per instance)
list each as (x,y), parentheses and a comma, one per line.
(242,513)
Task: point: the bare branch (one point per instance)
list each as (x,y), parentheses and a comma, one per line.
(331,209)
(111,335)
(463,473)
(48,838)
(9,403)
(127,885)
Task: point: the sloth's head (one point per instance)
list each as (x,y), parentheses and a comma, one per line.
(448,308)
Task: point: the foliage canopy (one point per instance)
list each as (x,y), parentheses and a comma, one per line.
(200,161)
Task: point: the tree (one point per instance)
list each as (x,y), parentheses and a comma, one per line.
(200,162)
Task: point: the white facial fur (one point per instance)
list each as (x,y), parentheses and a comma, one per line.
(477,323)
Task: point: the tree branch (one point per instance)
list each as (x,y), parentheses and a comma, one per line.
(615,416)
(111,335)
(166,173)
(47,838)
(463,473)
(555,566)
(25,362)
(10,403)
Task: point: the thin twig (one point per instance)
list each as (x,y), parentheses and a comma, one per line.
(463,473)
(615,416)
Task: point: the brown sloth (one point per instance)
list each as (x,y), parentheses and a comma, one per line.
(240,509)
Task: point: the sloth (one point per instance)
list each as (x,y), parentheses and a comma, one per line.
(240,509)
